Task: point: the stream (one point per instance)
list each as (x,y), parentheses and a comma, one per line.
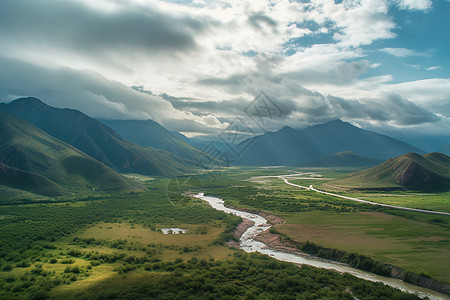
(248,244)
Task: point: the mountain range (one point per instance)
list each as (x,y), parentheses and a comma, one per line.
(413,171)
(144,146)
(289,146)
(33,161)
(95,139)
(48,151)
(148,133)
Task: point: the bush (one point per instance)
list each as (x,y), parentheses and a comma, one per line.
(67,261)
(53,260)
(7,268)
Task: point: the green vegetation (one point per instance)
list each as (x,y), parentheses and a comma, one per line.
(413,245)
(95,139)
(112,246)
(242,276)
(430,172)
(54,244)
(22,226)
(414,241)
(148,133)
(355,260)
(36,162)
(430,201)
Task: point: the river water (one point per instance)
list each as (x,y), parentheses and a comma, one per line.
(248,244)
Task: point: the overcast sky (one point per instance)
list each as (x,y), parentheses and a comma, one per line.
(195,65)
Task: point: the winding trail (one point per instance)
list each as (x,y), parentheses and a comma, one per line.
(311,188)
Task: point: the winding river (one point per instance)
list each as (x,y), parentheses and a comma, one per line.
(248,244)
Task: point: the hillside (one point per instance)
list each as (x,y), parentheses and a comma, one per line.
(34,161)
(28,181)
(289,146)
(412,171)
(342,159)
(148,133)
(95,139)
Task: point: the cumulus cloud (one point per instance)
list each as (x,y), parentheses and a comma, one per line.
(361,22)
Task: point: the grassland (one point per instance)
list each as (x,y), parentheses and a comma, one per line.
(438,201)
(413,241)
(416,246)
(199,241)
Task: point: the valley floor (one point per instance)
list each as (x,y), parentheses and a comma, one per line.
(113,246)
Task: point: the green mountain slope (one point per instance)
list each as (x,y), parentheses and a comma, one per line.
(34,161)
(148,133)
(343,159)
(411,171)
(95,139)
(28,181)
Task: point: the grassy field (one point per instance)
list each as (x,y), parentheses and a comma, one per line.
(198,241)
(414,241)
(413,245)
(439,201)
(430,201)
(138,241)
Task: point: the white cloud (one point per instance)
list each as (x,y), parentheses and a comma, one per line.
(435,67)
(414,4)
(430,93)
(401,52)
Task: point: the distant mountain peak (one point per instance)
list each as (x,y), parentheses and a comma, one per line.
(297,146)
(27,101)
(286,128)
(337,122)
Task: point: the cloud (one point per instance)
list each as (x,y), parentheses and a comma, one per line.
(401,52)
(262,22)
(341,73)
(360,22)
(414,4)
(94,95)
(212,58)
(392,109)
(302,106)
(106,36)
(433,68)
(429,93)
(127,28)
